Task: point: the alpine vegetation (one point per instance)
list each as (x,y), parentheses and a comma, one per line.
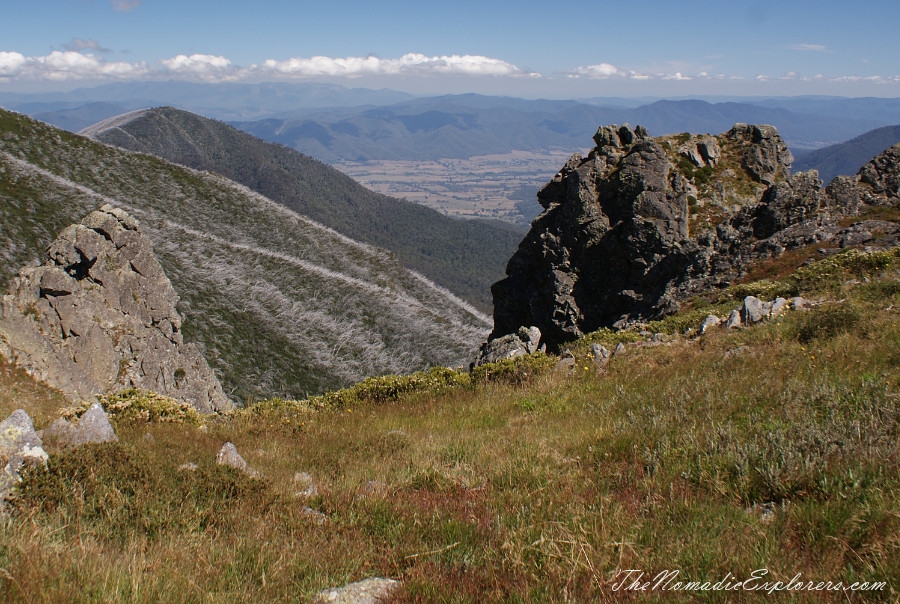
(278,304)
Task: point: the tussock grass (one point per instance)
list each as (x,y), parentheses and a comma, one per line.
(736,451)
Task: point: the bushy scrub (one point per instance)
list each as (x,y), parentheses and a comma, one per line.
(135,405)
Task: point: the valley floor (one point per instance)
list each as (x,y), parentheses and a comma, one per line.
(487,186)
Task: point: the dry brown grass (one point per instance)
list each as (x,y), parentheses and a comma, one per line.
(782,456)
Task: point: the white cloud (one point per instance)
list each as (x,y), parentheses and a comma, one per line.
(675,76)
(76,63)
(11,64)
(598,71)
(408,64)
(211,68)
(67,65)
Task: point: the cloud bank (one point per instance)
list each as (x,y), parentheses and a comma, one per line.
(86,60)
(76,64)
(408,64)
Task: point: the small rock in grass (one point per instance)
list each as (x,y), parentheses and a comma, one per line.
(228,456)
(368,591)
(306,484)
(709,322)
(94,427)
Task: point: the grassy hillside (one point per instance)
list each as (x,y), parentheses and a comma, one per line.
(466,257)
(281,305)
(772,447)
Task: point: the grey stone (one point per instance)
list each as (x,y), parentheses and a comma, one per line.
(228,456)
(754,310)
(734,319)
(99,316)
(709,322)
(531,338)
(188,467)
(525,341)
(367,591)
(306,484)
(16,432)
(565,364)
(601,355)
(766,155)
(620,349)
(20,446)
(779,305)
(93,427)
(800,303)
(316,516)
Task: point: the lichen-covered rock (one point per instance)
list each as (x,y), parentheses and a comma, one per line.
(17,432)
(20,447)
(766,155)
(525,341)
(613,245)
(99,316)
(606,245)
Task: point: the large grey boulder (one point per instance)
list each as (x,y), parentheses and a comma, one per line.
(99,316)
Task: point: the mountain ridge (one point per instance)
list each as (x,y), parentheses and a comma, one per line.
(848,157)
(462,256)
(253,276)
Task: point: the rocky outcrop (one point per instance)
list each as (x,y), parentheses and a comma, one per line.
(614,245)
(525,341)
(99,316)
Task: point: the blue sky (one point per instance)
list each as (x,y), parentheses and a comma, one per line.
(523,48)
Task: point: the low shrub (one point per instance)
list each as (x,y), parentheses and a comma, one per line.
(136,405)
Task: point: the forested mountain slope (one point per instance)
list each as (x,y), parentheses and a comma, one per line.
(280,304)
(463,256)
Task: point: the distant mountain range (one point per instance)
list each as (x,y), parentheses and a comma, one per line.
(468,125)
(331,122)
(465,256)
(280,304)
(848,157)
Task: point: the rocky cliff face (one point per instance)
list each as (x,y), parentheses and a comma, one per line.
(99,316)
(642,223)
